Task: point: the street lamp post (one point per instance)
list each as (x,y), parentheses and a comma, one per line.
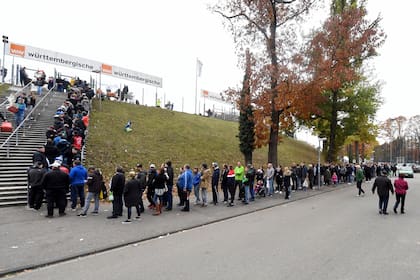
(319,161)
(5,41)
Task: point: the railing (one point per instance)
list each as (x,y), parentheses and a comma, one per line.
(3,104)
(25,121)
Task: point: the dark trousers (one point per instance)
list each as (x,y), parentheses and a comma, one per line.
(141,201)
(383,202)
(35,197)
(150,194)
(225,192)
(58,197)
(287,192)
(77,191)
(241,189)
(129,211)
(169,197)
(359,186)
(215,192)
(180,195)
(232,191)
(117,205)
(399,197)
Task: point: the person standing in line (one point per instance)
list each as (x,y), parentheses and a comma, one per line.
(35,191)
(142,178)
(132,196)
(159,186)
(401,187)
(359,180)
(269,179)
(287,174)
(187,186)
(170,185)
(150,193)
(239,177)
(251,180)
(231,183)
(384,186)
(224,184)
(215,182)
(56,184)
(78,176)
(205,183)
(94,183)
(196,185)
(117,188)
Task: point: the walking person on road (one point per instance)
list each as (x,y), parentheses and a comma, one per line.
(132,196)
(94,183)
(401,187)
(384,185)
(359,180)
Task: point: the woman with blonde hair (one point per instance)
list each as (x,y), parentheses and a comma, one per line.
(287,174)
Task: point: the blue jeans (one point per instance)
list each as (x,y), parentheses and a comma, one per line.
(252,191)
(270,186)
(169,197)
(19,117)
(77,191)
(246,193)
(197,193)
(89,197)
(383,202)
(204,195)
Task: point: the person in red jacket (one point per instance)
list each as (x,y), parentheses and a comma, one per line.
(401,187)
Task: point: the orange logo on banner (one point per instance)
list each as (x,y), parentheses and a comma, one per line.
(205,93)
(106,68)
(16,49)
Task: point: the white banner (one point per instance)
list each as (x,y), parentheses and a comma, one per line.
(46,56)
(212,95)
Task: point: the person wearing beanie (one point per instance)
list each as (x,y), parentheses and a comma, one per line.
(132,195)
(94,183)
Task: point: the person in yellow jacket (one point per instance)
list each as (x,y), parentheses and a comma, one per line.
(205,183)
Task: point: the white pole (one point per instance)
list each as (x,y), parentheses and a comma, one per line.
(196,78)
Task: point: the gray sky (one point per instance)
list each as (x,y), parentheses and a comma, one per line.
(164,38)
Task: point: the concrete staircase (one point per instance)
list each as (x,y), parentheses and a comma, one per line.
(13,169)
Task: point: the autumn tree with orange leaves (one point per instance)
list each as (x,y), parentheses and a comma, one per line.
(336,56)
(268,28)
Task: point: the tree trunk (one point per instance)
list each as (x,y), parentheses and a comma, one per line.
(356,147)
(332,150)
(274,138)
(248,158)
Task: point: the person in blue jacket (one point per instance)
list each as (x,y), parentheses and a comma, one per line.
(187,185)
(78,177)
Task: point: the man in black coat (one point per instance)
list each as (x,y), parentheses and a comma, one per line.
(384,185)
(56,184)
(39,156)
(168,198)
(142,178)
(215,182)
(35,191)
(117,188)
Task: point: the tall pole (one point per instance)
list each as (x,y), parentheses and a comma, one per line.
(5,41)
(196,79)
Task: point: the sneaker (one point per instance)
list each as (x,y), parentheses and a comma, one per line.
(95,213)
(138,218)
(73,209)
(62,214)
(385,213)
(230,205)
(395,210)
(126,222)
(48,216)
(112,217)
(280,192)
(83,215)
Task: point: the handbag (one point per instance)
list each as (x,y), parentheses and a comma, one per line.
(13,109)
(159,192)
(111,196)
(6,127)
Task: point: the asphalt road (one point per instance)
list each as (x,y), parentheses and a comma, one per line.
(331,236)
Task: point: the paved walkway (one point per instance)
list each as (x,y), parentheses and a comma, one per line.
(30,240)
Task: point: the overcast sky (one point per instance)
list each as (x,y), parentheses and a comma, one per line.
(164,38)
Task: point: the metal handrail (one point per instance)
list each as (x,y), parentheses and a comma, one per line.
(22,124)
(16,93)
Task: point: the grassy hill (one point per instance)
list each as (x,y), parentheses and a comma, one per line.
(159,135)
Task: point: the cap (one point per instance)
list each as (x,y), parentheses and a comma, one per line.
(152,166)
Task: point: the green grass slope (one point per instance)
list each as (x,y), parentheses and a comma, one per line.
(159,135)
